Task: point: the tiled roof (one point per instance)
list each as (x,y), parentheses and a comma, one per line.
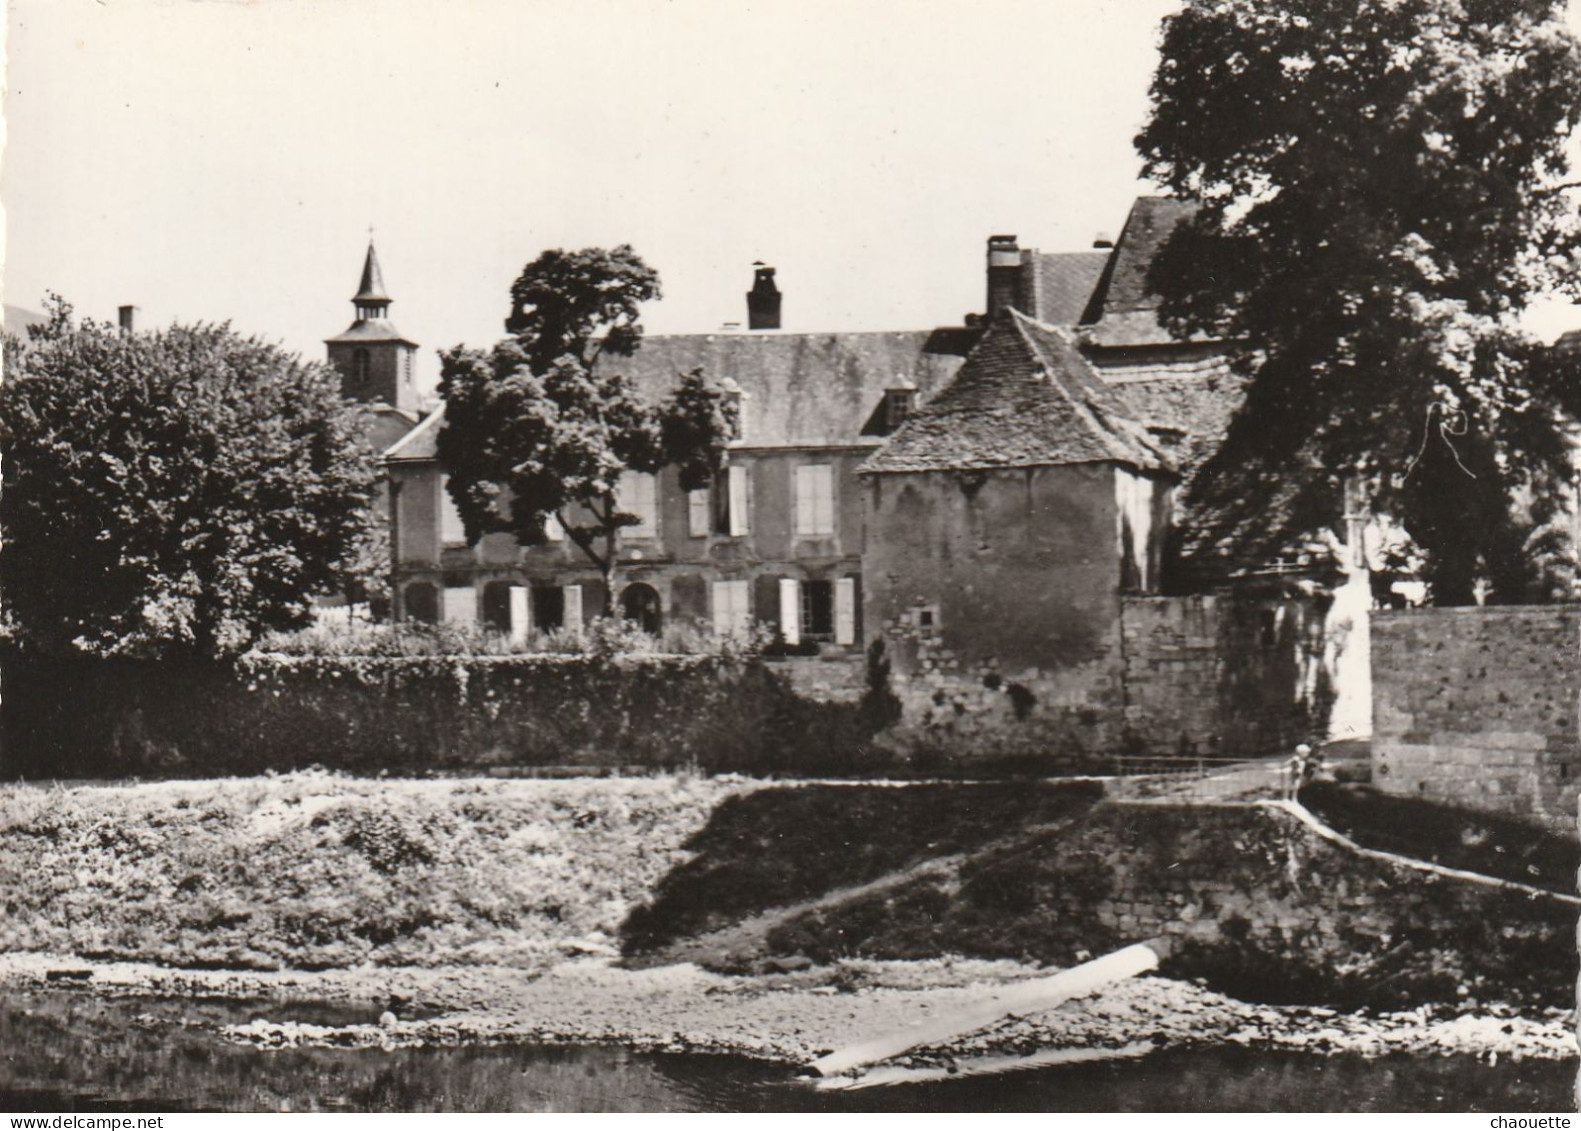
(798,390)
(421,443)
(1246,533)
(812,390)
(1026,397)
(1185,401)
(1063,284)
(1124,308)
(371,330)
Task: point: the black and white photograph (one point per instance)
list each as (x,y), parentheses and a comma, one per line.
(682,556)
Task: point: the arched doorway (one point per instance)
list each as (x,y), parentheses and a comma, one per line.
(640,603)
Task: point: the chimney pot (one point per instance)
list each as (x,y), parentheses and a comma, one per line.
(1005,287)
(763,300)
(128,319)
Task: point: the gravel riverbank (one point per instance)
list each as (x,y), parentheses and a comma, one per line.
(794,1017)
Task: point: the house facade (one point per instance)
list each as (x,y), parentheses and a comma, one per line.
(778,539)
(998,504)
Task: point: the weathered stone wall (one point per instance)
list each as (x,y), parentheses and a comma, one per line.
(1248,896)
(1222,676)
(1478,707)
(1214,677)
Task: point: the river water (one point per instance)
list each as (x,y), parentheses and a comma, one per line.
(64,1051)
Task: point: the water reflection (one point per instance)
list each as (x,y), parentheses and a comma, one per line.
(67,1051)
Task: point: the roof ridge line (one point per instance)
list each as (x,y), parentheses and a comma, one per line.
(1097,416)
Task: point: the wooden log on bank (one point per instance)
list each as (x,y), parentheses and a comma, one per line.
(1016,999)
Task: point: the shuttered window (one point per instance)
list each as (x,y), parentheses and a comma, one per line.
(790,610)
(845,610)
(737,518)
(697,513)
(732,607)
(572,617)
(638,495)
(815,499)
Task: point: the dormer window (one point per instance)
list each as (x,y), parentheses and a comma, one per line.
(898,404)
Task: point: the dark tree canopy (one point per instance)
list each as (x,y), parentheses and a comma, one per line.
(1382,193)
(172,492)
(538,421)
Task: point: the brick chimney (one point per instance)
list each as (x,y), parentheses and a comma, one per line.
(763,300)
(128,316)
(1004,274)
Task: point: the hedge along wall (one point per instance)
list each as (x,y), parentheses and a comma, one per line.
(87,718)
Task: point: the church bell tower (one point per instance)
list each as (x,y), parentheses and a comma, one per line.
(376,363)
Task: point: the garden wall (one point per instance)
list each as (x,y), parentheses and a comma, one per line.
(1477,707)
(1210,676)
(88,718)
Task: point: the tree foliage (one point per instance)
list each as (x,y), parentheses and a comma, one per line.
(1381,195)
(541,427)
(171,492)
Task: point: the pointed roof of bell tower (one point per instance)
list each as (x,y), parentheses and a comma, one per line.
(372,288)
(373,308)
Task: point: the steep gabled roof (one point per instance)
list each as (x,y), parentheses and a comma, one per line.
(799,390)
(1124,308)
(1026,397)
(1063,283)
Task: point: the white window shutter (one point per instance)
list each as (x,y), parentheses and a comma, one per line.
(460,605)
(740,496)
(790,610)
(572,620)
(697,513)
(521,613)
(845,610)
(825,498)
(804,500)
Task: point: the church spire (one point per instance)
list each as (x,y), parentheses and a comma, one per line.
(370,299)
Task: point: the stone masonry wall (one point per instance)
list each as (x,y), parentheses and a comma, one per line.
(1247,896)
(1477,707)
(1200,676)
(1221,676)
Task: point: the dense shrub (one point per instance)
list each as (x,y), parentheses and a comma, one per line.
(591,712)
(316,870)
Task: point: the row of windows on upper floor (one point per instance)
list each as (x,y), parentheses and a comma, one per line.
(724,510)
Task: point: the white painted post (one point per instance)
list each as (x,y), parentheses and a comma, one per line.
(521,613)
(573,608)
(845,610)
(790,610)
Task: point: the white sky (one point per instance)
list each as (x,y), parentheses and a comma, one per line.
(223,159)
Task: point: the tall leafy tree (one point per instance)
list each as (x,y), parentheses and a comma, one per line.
(175,492)
(1382,188)
(542,426)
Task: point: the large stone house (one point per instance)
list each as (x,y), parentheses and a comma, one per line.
(778,539)
(998,503)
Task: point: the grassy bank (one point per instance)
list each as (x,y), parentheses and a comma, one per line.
(314,870)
